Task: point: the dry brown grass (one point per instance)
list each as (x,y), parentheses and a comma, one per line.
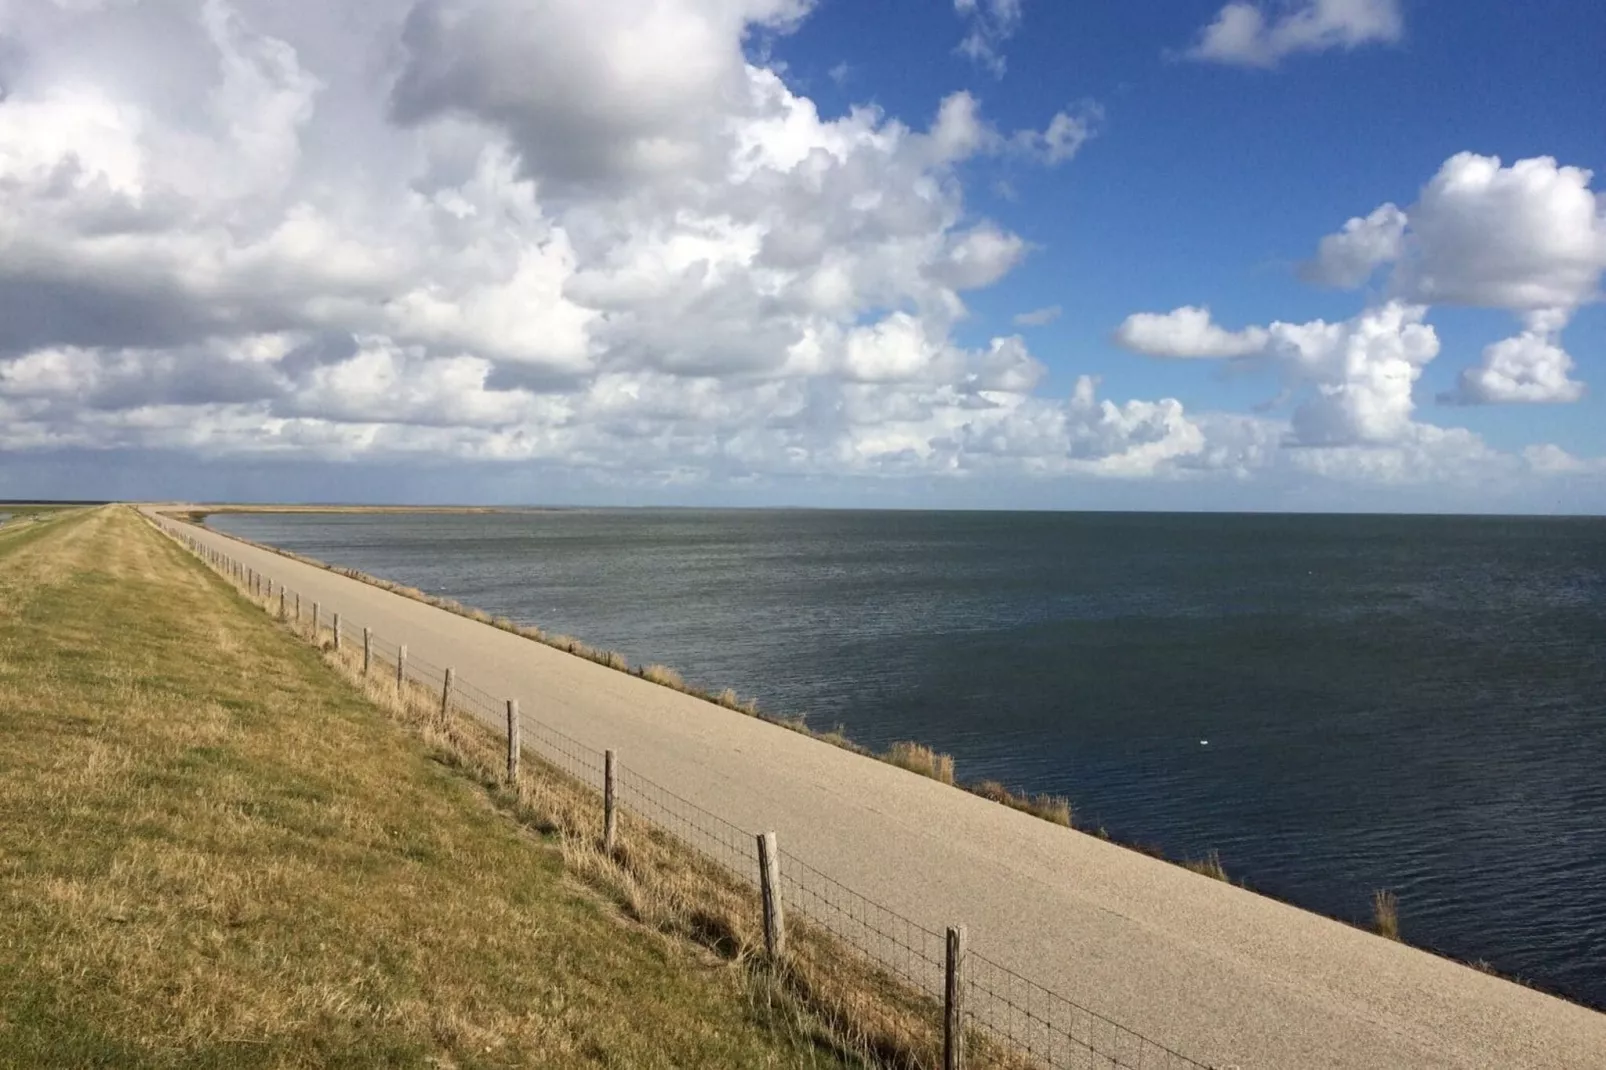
(216,853)
(919,758)
(823,986)
(1386,914)
(1055,808)
(1210,866)
(664,676)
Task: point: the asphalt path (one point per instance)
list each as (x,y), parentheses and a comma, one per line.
(1224,976)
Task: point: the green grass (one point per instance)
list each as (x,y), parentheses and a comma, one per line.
(217,853)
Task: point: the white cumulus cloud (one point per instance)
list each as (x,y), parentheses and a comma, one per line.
(1187,332)
(1354,378)
(1359,374)
(1348,258)
(1244,34)
(1529,238)
(1528,368)
(1524,237)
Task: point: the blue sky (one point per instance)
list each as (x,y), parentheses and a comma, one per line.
(774,251)
(1207,184)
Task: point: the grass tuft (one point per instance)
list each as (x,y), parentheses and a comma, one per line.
(1386,914)
(1053,808)
(1210,866)
(919,758)
(664,676)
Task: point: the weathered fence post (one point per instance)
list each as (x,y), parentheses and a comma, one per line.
(610,803)
(513,733)
(298,607)
(367,650)
(446,696)
(337,632)
(769,885)
(953,1002)
(281,601)
(314,622)
(401,666)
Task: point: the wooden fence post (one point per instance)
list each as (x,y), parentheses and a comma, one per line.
(769,884)
(298,607)
(337,632)
(401,666)
(610,802)
(446,696)
(953,1002)
(367,650)
(281,601)
(513,733)
(314,622)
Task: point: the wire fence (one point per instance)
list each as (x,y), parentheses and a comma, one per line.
(1003,1017)
(907,950)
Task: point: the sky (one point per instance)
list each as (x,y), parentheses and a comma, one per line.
(1042,254)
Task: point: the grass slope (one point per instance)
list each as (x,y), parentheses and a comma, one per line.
(215,853)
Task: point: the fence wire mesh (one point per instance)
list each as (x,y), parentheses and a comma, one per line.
(1052,1030)
(904,948)
(1011,1012)
(732,847)
(569,755)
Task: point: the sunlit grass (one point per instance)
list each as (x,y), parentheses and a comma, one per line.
(919,758)
(217,852)
(1386,914)
(823,989)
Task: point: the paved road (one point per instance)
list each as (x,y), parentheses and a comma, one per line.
(1215,972)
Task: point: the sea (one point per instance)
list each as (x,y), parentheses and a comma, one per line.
(1333,704)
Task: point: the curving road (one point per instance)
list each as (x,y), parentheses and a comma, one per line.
(1220,974)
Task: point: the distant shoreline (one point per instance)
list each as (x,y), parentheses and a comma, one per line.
(200,512)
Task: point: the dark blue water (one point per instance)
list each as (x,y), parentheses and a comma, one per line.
(1409,703)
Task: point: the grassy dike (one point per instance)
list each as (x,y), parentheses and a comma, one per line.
(215,851)
(913,756)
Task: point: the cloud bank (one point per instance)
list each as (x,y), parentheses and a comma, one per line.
(596,236)
(606,244)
